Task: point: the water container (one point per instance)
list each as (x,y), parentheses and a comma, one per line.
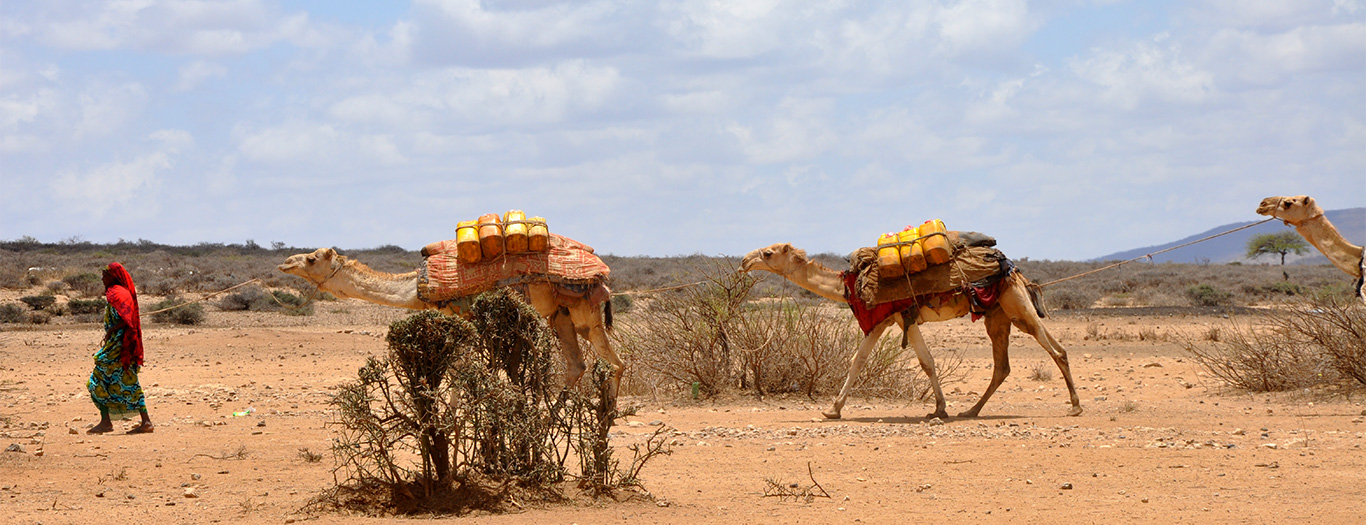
(490,236)
(912,253)
(537,235)
(467,242)
(936,246)
(888,258)
(514,231)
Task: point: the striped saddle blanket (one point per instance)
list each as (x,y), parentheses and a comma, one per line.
(443,277)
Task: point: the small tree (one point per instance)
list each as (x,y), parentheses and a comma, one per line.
(1283,243)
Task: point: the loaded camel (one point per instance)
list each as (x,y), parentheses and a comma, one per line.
(590,316)
(1013,307)
(1307,217)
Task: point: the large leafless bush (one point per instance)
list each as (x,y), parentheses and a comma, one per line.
(1319,341)
(718,336)
(466,415)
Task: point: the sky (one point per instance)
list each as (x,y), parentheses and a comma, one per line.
(1067,129)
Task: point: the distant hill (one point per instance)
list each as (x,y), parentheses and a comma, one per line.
(1351,222)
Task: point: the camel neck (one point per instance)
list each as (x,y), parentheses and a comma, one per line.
(355,282)
(820,280)
(1321,233)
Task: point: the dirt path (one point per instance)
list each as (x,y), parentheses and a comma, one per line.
(1157,443)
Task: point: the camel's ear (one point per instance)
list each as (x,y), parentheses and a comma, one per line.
(1308,201)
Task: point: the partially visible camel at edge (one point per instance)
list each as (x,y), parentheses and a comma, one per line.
(1307,217)
(1013,308)
(351,279)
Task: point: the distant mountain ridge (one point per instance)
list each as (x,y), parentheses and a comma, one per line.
(1350,222)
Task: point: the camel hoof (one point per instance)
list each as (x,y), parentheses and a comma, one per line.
(940,415)
(968,413)
(831,414)
(1076,411)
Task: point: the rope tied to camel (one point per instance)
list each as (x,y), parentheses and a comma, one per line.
(1150,255)
(205,298)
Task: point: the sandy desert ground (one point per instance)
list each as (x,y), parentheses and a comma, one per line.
(1158,442)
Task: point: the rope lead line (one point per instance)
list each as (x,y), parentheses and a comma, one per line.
(1149,256)
(220,292)
(642,292)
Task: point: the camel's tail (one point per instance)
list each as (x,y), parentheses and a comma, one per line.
(607,314)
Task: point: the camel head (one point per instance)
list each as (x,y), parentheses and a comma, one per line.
(780,258)
(316,267)
(1292,210)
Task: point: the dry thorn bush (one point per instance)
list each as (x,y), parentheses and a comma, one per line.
(468,414)
(718,336)
(1311,343)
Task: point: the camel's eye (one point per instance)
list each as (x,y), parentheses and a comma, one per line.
(1286,205)
(311,259)
(768,253)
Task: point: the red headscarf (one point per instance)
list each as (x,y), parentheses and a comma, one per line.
(123,296)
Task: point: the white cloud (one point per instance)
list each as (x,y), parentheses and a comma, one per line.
(1260,58)
(114,185)
(105,109)
(173,140)
(198,27)
(464,98)
(1146,71)
(293,142)
(976,26)
(729,30)
(799,130)
(195,73)
(471,32)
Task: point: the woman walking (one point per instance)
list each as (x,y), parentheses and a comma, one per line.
(114,384)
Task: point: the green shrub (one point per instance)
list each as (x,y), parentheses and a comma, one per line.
(257,300)
(1070,299)
(11,313)
(248,300)
(161,287)
(85,283)
(86,306)
(1206,295)
(38,302)
(292,304)
(191,314)
(621,304)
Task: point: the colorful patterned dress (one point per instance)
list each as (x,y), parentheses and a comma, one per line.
(113,386)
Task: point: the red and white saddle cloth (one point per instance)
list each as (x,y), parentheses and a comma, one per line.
(443,277)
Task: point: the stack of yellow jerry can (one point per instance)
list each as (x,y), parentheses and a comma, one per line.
(913,249)
(491,236)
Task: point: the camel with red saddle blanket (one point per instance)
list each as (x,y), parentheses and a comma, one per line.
(1012,305)
(577,305)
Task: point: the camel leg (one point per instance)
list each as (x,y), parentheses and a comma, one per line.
(998,329)
(922,353)
(1016,304)
(588,317)
(569,347)
(855,365)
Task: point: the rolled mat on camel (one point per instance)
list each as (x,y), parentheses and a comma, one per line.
(567,263)
(975,268)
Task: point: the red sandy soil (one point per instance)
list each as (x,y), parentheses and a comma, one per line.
(1159,441)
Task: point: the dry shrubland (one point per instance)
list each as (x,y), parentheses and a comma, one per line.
(730,332)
